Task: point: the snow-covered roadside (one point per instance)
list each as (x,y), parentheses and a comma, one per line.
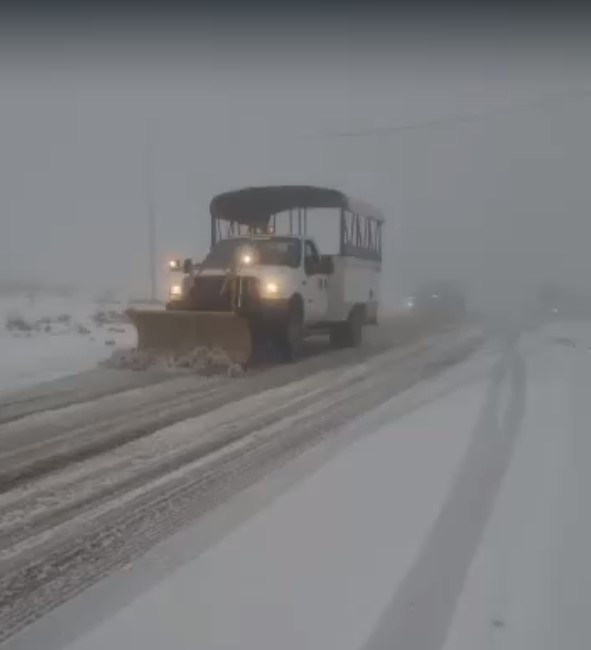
(45,337)
(316,567)
(529,586)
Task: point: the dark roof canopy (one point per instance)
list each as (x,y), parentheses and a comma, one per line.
(254,206)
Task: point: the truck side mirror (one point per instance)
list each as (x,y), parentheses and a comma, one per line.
(187,266)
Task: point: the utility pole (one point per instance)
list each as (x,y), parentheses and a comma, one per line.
(149,179)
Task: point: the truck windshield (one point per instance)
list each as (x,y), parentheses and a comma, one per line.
(275,251)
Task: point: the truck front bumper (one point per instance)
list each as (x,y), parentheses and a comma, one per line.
(271,311)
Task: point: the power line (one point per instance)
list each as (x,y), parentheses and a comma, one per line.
(454,120)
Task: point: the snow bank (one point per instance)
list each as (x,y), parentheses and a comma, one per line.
(37,314)
(44,336)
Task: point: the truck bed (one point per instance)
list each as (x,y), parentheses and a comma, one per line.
(354,281)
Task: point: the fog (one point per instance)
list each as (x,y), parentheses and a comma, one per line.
(478,155)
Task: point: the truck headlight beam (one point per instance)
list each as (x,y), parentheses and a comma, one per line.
(271,288)
(176,291)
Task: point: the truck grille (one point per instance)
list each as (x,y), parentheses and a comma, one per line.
(214,293)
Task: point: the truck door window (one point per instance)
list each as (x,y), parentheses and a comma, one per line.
(311,258)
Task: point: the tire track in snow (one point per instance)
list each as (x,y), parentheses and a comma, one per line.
(45,442)
(58,497)
(62,438)
(77,388)
(421,612)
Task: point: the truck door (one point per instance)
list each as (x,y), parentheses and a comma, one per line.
(315,287)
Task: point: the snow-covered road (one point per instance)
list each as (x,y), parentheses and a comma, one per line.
(97,479)
(454,515)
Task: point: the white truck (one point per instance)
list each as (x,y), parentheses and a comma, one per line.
(265,279)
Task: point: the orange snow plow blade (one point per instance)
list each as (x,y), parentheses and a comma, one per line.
(178,332)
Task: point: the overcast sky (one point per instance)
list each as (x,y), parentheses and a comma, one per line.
(503,199)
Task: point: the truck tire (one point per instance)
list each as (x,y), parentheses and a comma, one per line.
(371,313)
(354,327)
(350,333)
(336,334)
(291,336)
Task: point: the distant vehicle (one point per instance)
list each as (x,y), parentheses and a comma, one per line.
(442,299)
(554,302)
(265,279)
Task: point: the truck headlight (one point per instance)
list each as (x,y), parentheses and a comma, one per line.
(176,291)
(246,255)
(271,288)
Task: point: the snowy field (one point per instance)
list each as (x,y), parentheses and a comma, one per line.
(452,516)
(46,336)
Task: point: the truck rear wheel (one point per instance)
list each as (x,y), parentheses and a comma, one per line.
(350,333)
(337,338)
(354,328)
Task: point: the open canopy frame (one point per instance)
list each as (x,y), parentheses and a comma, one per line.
(254,210)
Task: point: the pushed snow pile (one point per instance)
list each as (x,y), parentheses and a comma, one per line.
(203,360)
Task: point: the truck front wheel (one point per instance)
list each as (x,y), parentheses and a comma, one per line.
(291,336)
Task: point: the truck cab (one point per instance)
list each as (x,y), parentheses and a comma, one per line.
(283,266)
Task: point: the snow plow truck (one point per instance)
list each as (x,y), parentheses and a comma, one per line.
(265,280)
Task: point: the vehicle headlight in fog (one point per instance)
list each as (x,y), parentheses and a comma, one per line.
(271,288)
(410,303)
(247,258)
(174,265)
(176,291)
